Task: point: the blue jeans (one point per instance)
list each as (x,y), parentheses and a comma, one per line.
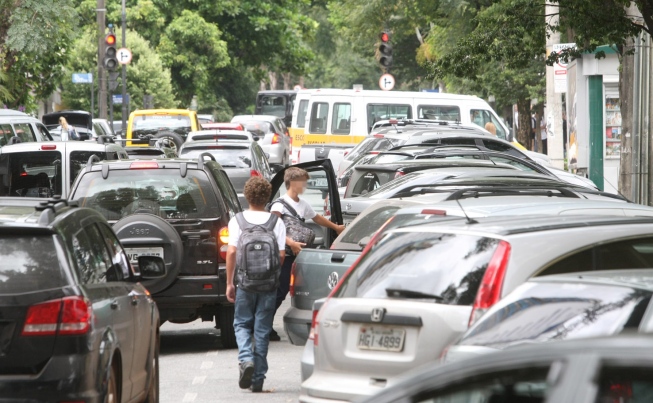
(254,314)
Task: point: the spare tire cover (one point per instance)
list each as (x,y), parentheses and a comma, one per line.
(143,234)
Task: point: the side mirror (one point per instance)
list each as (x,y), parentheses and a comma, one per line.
(267,155)
(364,241)
(151,267)
(256,138)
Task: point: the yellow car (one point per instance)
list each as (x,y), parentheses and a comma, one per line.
(165,127)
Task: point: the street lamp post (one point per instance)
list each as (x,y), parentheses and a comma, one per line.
(124,70)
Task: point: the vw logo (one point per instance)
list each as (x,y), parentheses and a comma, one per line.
(332,280)
(377,315)
(348,206)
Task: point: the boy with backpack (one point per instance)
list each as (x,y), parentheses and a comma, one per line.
(294,210)
(257,241)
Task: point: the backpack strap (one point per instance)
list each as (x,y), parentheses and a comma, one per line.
(242,222)
(288,207)
(271,223)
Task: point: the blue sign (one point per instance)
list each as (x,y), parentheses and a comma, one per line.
(117,99)
(431,90)
(82,78)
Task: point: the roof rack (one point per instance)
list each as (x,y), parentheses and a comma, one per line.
(50,207)
(430,147)
(462,191)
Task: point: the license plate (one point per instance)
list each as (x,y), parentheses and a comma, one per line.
(134,253)
(381,338)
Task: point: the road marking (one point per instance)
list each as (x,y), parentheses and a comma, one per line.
(198,380)
(189,397)
(207,365)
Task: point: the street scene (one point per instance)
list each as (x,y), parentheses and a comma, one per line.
(425,201)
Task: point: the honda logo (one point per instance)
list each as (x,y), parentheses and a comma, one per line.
(377,315)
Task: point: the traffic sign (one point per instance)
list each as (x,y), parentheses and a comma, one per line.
(117,99)
(124,56)
(297,87)
(387,82)
(82,78)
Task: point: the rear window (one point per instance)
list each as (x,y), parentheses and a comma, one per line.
(371,181)
(439,112)
(368,224)
(29,263)
(79,159)
(259,127)
(162,192)
(31,174)
(155,122)
(449,266)
(228,157)
(377,112)
(273,105)
(539,312)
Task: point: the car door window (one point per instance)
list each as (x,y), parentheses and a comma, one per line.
(226,189)
(43,133)
(628,254)
(377,112)
(439,112)
(502,147)
(79,159)
(523,385)
(118,256)
(319,114)
(6,133)
(91,265)
(481,117)
(301,113)
(24,132)
(341,121)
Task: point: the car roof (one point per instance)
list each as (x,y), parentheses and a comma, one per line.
(13,113)
(280,92)
(67,145)
(393,166)
(409,131)
(21,212)
(507,225)
(141,112)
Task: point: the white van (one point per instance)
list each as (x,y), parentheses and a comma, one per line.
(347,116)
(23,126)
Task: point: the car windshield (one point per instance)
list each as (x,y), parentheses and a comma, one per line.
(273,105)
(548,311)
(450,266)
(227,156)
(29,263)
(31,174)
(163,192)
(158,122)
(389,158)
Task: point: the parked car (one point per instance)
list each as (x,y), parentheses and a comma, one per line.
(49,169)
(611,369)
(415,290)
(583,304)
(18,126)
(240,159)
(81,120)
(168,127)
(70,302)
(275,139)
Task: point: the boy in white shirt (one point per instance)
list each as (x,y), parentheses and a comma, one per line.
(253,288)
(295,180)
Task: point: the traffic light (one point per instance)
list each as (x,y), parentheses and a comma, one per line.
(385,50)
(110,61)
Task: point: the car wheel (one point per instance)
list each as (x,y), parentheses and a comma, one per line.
(112,387)
(168,139)
(153,393)
(225,322)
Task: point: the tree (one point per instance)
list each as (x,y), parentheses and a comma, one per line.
(145,74)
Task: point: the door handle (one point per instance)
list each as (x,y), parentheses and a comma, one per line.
(338,258)
(114,304)
(134,300)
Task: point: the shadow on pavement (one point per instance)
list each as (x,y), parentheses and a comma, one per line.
(189,340)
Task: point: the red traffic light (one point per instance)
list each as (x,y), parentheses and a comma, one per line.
(110,40)
(385,37)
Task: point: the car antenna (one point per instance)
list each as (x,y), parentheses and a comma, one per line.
(469,219)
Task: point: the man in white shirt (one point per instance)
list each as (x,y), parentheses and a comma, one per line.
(254,309)
(295,180)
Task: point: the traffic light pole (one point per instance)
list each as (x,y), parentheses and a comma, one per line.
(102,83)
(124,70)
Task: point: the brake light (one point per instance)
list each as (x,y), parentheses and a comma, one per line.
(49,147)
(66,316)
(434,212)
(489,292)
(620,391)
(144,165)
(223,242)
(275,138)
(254,172)
(346,153)
(292,279)
(378,135)
(399,174)
(312,335)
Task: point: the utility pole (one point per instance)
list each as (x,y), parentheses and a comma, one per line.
(124,70)
(553,112)
(102,83)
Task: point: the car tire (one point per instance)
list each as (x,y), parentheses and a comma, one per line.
(145,230)
(112,394)
(153,393)
(225,322)
(169,139)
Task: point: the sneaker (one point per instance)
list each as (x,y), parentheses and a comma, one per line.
(246,372)
(256,387)
(274,336)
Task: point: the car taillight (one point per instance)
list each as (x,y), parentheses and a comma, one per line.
(489,292)
(434,212)
(399,174)
(49,147)
(275,138)
(223,242)
(346,153)
(619,392)
(299,153)
(378,135)
(144,165)
(254,172)
(312,335)
(292,279)
(66,316)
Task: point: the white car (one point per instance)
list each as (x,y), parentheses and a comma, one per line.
(274,137)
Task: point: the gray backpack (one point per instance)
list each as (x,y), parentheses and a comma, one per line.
(258,264)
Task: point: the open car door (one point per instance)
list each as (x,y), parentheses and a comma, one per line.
(321,194)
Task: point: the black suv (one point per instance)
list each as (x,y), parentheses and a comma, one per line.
(75,322)
(187,206)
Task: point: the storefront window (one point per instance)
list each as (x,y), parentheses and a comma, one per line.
(612,127)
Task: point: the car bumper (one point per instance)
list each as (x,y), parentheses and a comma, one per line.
(64,378)
(308,361)
(338,387)
(297,324)
(192,292)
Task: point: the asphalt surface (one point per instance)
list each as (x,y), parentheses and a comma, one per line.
(195,368)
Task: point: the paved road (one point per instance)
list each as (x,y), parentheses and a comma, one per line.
(195,368)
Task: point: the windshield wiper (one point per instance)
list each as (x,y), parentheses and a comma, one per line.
(399,293)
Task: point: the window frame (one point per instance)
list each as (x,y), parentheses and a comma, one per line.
(372,105)
(312,128)
(301,117)
(335,120)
